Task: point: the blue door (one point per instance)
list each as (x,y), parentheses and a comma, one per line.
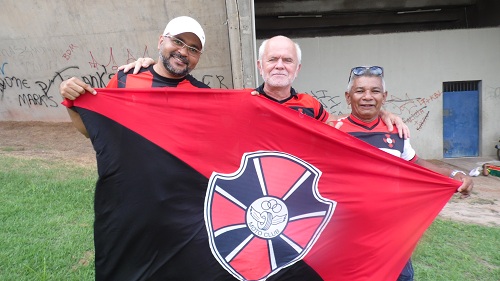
(460,124)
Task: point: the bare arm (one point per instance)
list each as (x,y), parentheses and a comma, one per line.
(77,122)
(71,89)
(467,183)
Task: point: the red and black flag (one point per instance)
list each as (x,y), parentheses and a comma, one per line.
(222,185)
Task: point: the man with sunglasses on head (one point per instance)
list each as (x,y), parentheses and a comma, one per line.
(179,47)
(366,93)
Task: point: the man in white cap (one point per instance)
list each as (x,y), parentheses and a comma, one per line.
(128,244)
(179,47)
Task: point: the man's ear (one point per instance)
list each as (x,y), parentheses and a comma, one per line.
(347,98)
(259,67)
(298,69)
(385,97)
(160,41)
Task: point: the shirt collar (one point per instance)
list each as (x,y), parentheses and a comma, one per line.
(372,124)
(260,89)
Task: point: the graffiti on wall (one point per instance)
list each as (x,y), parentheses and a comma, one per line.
(214,81)
(2,68)
(111,61)
(413,111)
(24,52)
(37,93)
(492,93)
(332,103)
(67,54)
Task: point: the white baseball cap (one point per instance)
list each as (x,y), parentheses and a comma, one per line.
(185,24)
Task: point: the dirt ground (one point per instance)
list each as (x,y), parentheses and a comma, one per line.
(61,141)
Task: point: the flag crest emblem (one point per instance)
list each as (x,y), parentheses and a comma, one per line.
(265,216)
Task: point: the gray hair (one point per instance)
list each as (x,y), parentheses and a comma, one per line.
(263,47)
(366,74)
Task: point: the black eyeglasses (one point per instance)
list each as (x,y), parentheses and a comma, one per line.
(180,44)
(362,70)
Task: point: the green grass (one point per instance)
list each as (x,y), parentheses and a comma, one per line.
(46,216)
(457,251)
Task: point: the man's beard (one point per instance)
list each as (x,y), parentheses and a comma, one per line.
(272,81)
(170,68)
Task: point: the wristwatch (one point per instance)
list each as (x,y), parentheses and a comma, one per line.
(456,172)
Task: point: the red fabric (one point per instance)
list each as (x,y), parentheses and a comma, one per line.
(67,102)
(384,204)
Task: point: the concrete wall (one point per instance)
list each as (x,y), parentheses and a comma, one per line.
(416,65)
(43,42)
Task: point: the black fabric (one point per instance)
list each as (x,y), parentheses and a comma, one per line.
(149,221)
(299,271)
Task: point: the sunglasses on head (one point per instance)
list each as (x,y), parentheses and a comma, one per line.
(362,70)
